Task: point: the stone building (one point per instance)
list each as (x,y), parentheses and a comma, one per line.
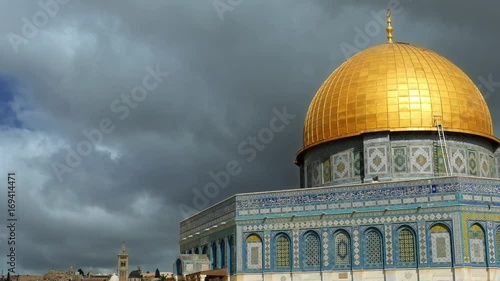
(399,181)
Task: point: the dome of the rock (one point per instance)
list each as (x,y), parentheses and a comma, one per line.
(395,87)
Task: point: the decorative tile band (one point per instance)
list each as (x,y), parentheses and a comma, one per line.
(345,222)
(366,192)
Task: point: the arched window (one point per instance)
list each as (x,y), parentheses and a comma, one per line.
(214,255)
(204,250)
(254,252)
(440,244)
(373,248)
(406,246)
(178,266)
(311,252)
(196,251)
(342,249)
(282,251)
(222,244)
(476,243)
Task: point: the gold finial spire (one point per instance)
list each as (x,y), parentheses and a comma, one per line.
(389,27)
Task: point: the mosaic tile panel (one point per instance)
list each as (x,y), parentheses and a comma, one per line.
(457,238)
(476,243)
(254,252)
(317,173)
(377,160)
(326,260)
(388,244)
(484,165)
(477,251)
(327,171)
(498,243)
(440,168)
(440,244)
(420,159)
(458,163)
(471,163)
(492,167)
(341,166)
(497,165)
(342,249)
(466,217)
(422,243)
(309,174)
(356,244)
(239,245)
(267,249)
(296,257)
(399,160)
(357,163)
(491,243)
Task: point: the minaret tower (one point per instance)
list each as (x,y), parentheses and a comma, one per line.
(123,264)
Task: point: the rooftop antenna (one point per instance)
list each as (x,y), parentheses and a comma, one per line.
(389,26)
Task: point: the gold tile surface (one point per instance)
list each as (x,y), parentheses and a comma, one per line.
(395,87)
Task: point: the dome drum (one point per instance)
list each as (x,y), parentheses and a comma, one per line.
(385,156)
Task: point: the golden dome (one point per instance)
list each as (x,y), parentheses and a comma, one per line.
(395,87)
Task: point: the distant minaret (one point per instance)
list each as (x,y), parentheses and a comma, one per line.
(123,264)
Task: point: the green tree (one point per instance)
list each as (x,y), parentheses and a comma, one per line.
(157,273)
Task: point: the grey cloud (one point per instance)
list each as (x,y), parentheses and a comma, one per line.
(225,79)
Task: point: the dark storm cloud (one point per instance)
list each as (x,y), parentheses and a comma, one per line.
(225,78)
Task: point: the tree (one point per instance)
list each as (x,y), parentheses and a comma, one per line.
(157,273)
(8,276)
(80,271)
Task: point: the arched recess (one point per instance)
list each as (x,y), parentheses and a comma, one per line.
(441,250)
(282,251)
(342,249)
(406,247)
(311,250)
(254,251)
(373,248)
(477,244)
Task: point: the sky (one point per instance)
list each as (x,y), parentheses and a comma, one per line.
(114,115)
